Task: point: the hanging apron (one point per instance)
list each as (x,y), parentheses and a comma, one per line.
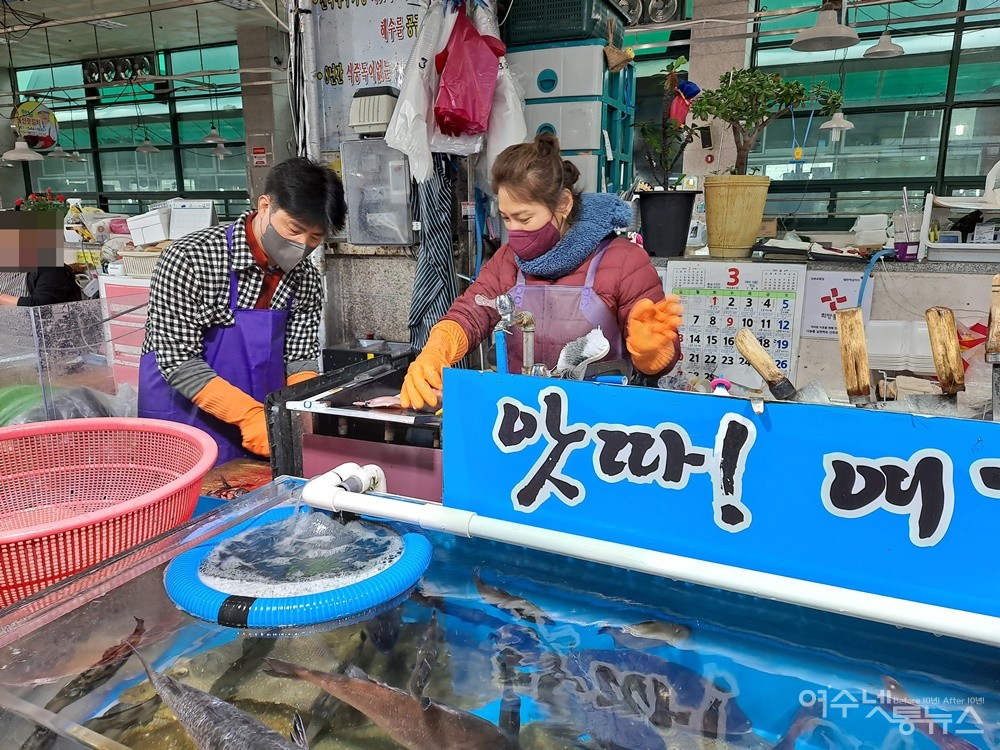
(562,314)
(249,354)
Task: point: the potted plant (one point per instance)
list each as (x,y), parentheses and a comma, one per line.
(748,101)
(666,211)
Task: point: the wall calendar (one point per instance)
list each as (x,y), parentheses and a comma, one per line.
(720,298)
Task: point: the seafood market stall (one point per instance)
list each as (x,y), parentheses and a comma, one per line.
(669,572)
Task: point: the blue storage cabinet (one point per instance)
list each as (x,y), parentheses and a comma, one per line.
(570,93)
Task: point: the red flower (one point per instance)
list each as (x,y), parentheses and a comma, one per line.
(60,198)
(19,202)
(32,197)
(48,190)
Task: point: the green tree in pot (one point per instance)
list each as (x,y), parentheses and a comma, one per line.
(666,213)
(748,101)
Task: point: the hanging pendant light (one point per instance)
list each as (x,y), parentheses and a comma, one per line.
(885,47)
(21,152)
(58,153)
(147,147)
(828,34)
(213,136)
(221,152)
(836,125)
(76,156)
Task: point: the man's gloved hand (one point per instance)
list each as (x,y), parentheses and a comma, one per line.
(446,344)
(300,377)
(652,333)
(223,400)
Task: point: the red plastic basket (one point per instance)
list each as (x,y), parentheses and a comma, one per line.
(76,492)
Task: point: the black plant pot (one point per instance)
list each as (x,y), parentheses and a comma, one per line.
(666,219)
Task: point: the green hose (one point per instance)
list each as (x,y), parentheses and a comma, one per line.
(15,400)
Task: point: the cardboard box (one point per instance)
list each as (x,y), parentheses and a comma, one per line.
(768,228)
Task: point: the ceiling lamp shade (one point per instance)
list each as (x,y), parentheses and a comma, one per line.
(827,34)
(885,47)
(147,147)
(21,152)
(76,156)
(213,136)
(836,125)
(221,152)
(58,153)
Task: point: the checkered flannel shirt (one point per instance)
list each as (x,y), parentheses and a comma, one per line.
(189,293)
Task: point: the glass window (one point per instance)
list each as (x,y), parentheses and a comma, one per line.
(973,143)
(193,128)
(130,133)
(205,172)
(211,58)
(47,79)
(807,204)
(65,177)
(921,75)
(882,144)
(129,171)
(979,66)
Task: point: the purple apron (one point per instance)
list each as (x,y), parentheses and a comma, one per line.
(249,354)
(562,314)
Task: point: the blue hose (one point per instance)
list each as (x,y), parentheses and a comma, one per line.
(868,270)
(501,347)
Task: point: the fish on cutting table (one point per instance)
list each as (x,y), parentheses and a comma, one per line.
(381,402)
(85,683)
(647,634)
(506,601)
(414,724)
(212,723)
(920,718)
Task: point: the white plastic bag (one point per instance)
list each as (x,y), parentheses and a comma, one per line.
(409,128)
(507,124)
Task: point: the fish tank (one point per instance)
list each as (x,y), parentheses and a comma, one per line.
(58,361)
(496,646)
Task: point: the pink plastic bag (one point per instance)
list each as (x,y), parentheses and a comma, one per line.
(468,66)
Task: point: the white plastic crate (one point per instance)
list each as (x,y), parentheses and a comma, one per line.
(590,171)
(577,125)
(559,71)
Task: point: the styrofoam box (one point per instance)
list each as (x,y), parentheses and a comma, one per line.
(590,167)
(150,227)
(559,71)
(577,125)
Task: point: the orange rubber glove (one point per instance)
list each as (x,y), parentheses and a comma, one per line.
(446,344)
(301,377)
(652,333)
(222,399)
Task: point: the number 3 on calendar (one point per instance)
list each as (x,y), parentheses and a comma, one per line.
(734,277)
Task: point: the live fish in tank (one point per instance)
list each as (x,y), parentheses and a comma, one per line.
(114,723)
(647,634)
(383,629)
(506,601)
(628,696)
(427,656)
(85,683)
(920,717)
(214,724)
(415,723)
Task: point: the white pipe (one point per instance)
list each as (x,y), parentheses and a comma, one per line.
(436,517)
(263,4)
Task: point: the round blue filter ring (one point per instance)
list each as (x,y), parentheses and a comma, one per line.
(187,590)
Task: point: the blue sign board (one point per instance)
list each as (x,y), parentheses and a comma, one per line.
(885,503)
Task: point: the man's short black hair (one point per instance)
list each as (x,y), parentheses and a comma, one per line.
(307,191)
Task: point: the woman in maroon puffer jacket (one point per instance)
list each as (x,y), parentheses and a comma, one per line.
(563,263)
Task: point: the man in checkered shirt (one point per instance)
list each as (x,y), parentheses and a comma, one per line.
(234,311)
